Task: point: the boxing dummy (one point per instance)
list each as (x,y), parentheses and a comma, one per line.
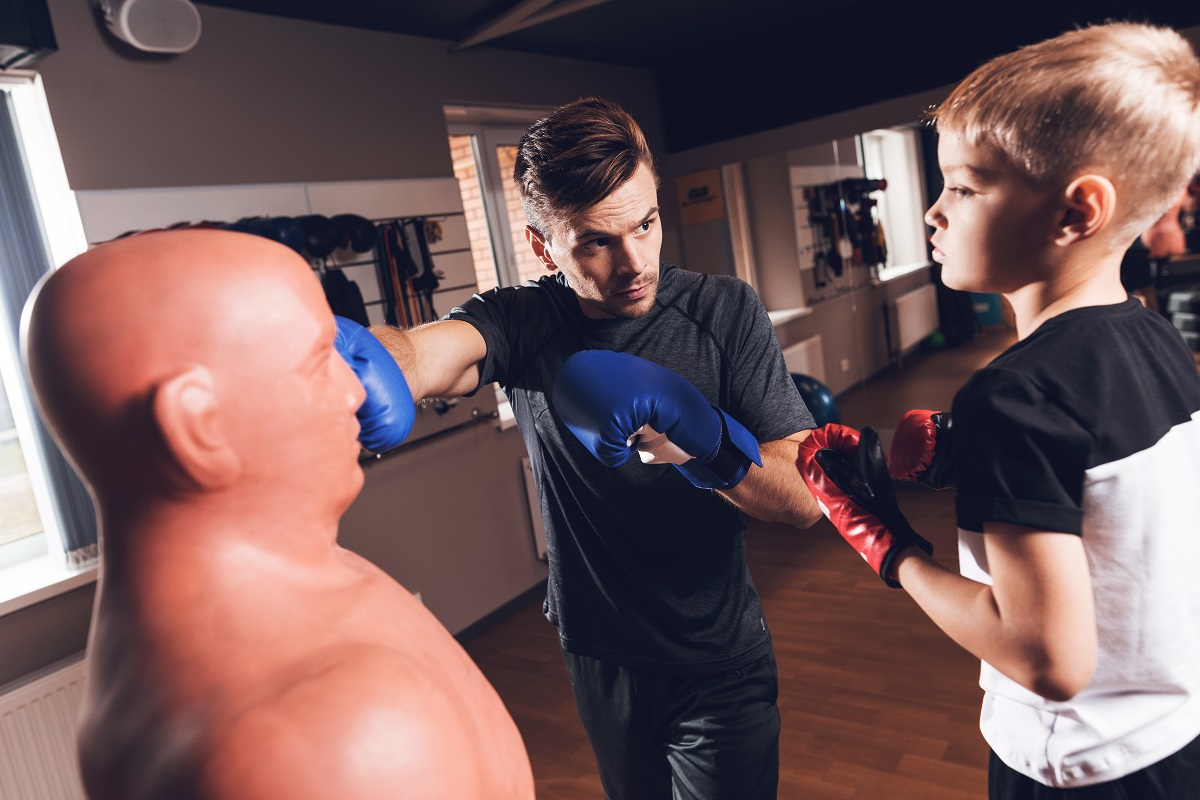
(848,477)
(617,404)
(386,416)
(236,651)
(922,449)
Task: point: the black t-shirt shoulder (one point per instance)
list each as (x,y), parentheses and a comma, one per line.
(1088,387)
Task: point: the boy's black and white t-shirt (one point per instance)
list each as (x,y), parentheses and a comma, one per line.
(1091,426)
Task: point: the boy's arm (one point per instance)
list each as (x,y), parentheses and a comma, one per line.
(439,359)
(1036,623)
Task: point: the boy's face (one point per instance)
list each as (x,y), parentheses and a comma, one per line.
(610,252)
(993,231)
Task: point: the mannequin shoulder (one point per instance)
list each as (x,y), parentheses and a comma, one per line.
(363,723)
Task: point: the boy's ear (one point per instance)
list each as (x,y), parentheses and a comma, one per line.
(1090,202)
(540,249)
(188,418)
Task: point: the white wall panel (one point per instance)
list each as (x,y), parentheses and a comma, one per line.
(109,213)
(413,197)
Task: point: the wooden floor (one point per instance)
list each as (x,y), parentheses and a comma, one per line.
(876,702)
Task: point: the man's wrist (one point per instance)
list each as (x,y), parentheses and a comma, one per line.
(728,463)
(736,450)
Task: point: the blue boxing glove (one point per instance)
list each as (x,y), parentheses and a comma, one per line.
(386,416)
(617,404)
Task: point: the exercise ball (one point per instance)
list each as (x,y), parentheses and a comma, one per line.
(818,398)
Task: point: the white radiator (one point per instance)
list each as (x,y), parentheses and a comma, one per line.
(38,717)
(915,316)
(806,358)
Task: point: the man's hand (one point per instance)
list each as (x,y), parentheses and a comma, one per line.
(848,476)
(923,449)
(617,404)
(386,416)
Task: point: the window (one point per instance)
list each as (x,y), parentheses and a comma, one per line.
(19,517)
(483,144)
(46,518)
(483,147)
(895,155)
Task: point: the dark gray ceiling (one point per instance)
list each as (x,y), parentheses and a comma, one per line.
(728,68)
(642,33)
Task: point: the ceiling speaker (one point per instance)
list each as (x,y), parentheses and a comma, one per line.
(156,26)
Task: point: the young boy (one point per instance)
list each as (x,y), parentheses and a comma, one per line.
(1077,451)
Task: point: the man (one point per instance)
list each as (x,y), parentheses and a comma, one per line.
(610,354)
(197,381)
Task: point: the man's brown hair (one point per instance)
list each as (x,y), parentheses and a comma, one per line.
(574,157)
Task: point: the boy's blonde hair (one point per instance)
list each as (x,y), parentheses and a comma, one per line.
(1120,99)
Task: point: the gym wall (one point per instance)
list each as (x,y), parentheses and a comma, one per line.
(264,104)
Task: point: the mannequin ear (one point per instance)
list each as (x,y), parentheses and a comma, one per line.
(541,250)
(1090,203)
(185,409)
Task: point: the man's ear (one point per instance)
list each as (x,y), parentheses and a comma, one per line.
(541,250)
(188,417)
(1091,201)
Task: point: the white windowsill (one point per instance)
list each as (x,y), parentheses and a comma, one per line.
(505,418)
(899,271)
(30,582)
(788,314)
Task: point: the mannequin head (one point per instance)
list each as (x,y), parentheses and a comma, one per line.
(196,366)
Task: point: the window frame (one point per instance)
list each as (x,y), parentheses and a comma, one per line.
(904,201)
(491,127)
(36,567)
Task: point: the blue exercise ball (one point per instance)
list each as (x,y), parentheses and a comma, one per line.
(818,398)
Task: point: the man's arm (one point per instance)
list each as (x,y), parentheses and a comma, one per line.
(619,405)
(776,492)
(439,359)
(1036,623)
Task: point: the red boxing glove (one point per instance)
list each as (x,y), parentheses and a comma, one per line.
(923,449)
(848,476)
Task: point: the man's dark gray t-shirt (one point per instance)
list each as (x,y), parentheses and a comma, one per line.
(645,569)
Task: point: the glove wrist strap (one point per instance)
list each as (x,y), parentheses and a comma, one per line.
(725,468)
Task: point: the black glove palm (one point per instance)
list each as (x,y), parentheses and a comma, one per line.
(866,512)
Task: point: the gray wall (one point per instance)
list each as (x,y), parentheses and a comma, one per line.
(268,100)
(851,325)
(263,99)
(773,230)
(43,633)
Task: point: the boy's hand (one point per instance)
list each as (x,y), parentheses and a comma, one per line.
(848,476)
(923,449)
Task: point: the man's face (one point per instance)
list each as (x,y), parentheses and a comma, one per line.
(992,229)
(297,397)
(609,253)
